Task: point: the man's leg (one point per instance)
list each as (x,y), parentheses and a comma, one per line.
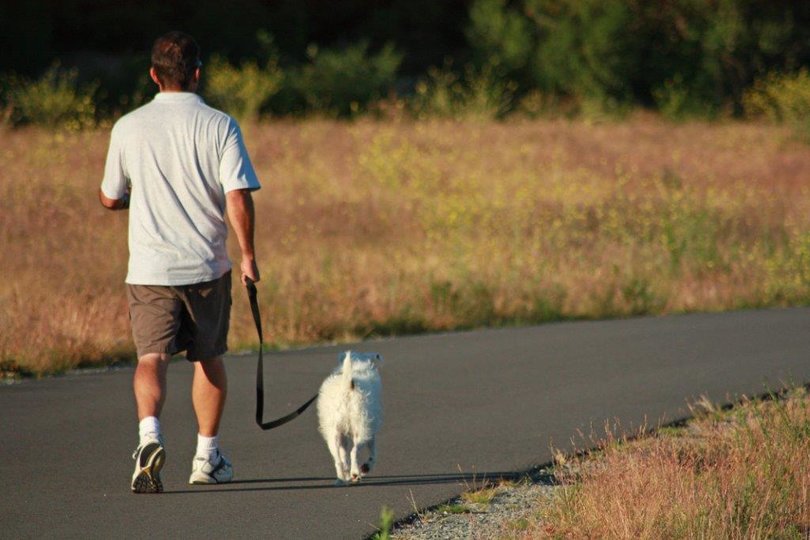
(209,390)
(149,384)
(208,394)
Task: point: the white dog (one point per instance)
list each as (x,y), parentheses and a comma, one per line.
(350,413)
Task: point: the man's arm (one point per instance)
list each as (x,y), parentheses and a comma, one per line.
(242,217)
(114,204)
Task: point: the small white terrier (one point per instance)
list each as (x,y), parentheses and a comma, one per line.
(350,413)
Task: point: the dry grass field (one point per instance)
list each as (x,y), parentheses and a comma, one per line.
(374,228)
(737,472)
(743,473)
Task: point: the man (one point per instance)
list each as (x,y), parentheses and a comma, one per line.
(179,165)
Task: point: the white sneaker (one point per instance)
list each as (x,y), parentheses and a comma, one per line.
(216,471)
(149,459)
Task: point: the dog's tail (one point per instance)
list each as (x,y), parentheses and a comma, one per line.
(347,371)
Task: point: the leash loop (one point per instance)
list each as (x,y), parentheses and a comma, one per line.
(257,319)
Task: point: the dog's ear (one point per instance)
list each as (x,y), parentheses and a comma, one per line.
(377,360)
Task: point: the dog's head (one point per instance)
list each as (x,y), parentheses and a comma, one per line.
(361,360)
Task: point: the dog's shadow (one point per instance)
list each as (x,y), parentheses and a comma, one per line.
(316,483)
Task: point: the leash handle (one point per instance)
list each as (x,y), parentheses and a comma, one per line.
(257,319)
(254,307)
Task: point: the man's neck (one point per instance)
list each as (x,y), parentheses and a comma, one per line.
(192,88)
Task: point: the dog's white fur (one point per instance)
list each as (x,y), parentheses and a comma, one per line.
(350,414)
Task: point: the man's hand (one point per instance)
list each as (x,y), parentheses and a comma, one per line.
(249,270)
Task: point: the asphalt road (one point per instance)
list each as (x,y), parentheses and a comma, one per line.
(458,408)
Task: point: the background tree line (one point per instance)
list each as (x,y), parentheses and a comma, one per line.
(79,61)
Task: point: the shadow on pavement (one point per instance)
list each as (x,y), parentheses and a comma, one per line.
(467,480)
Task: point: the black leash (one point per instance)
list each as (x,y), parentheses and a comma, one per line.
(257,318)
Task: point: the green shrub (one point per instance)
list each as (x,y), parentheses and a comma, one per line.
(687,59)
(585,48)
(242,91)
(676,99)
(438,93)
(54,100)
(783,98)
(534,104)
(344,82)
(480,94)
(499,36)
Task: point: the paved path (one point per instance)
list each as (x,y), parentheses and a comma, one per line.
(459,407)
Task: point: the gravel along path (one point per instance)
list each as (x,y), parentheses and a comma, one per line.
(494,511)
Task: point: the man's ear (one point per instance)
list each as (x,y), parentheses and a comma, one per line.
(195,80)
(153,75)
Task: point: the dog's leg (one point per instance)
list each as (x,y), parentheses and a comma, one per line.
(356,470)
(372,456)
(344,442)
(355,466)
(338,454)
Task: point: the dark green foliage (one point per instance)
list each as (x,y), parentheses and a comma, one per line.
(691,57)
(587,50)
(343,82)
(499,36)
(684,58)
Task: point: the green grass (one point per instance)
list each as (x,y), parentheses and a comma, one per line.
(386,524)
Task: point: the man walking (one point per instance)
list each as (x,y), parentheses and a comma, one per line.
(179,166)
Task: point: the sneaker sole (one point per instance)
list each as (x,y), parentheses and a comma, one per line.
(204,479)
(152,458)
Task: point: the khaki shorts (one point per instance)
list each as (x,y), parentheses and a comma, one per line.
(191,318)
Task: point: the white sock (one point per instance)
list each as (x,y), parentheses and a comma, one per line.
(207,446)
(149,429)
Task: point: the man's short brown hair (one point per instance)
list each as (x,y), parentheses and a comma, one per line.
(175,58)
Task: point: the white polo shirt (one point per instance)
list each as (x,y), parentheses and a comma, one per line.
(180,156)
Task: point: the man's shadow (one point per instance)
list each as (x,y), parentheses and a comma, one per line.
(469,481)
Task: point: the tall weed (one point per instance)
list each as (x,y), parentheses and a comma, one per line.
(478,94)
(737,474)
(242,91)
(53,100)
(782,98)
(678,100)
